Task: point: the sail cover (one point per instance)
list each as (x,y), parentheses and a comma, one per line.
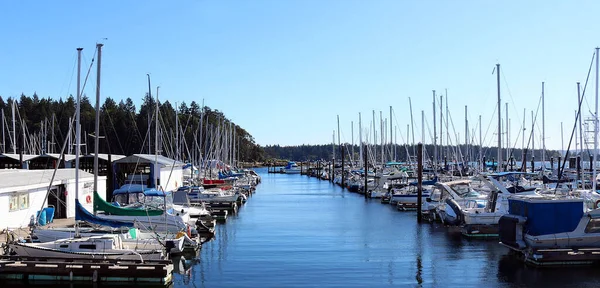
(82,214)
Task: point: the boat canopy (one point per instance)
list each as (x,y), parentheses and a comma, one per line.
(108,208)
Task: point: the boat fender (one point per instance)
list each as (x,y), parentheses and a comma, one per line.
(88,199)
(452,204)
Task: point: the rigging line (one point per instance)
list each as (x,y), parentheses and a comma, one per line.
(490,124)
(115,130)
(72,73)
(562,168)
(512,101)
(399,129)
(532,131)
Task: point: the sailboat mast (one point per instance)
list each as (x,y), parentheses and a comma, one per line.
(423,131)
(338,132)
(374,141)
(595,127)
(523,140)
(391,135)
(507,128)
(53,143)
(543,132)
(580,126)
(14,142)
(382,130)
(435,158)
(412,127)
(480,146)
(352,132)
(333,145)
(532,140)
(3,143)
(97,131)
(156,166)
(441,128)
(176,132)
(499,119)
(360,143)
(466,135)
(77,132)
(447,130)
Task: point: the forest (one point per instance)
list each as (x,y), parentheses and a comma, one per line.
(42,126)
(402,152)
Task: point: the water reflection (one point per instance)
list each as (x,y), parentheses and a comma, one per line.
(299,231)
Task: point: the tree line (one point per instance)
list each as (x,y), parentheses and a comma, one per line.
(402,153)
(42,125)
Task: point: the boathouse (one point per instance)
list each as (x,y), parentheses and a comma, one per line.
(23,193)
(142,166)
(50,161)
(86,163)
(13,161)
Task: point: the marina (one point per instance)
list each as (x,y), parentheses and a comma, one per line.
(300,144)
(301,231)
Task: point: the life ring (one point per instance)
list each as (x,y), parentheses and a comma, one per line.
(88,199)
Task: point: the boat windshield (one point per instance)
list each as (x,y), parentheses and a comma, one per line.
(138,200)
(159,201)
(465,190)
(129,198)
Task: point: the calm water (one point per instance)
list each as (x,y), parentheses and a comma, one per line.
(298,231)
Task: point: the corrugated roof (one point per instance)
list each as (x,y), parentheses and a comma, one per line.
(12,179)
(114,157)
(148,159)
(26,157)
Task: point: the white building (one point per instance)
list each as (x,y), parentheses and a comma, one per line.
(143,165)
(23,193)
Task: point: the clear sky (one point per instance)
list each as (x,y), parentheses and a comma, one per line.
(284,69)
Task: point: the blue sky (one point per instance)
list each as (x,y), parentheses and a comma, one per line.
(284,69)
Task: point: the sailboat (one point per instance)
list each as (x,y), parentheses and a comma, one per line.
(150,207)
(92,247)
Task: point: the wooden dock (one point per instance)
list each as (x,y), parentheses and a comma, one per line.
(97,270)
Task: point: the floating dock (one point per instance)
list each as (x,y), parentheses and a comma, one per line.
(96,270)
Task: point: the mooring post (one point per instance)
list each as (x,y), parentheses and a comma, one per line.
(366,169)
(420,181)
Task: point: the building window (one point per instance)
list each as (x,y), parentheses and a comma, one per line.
(18,201)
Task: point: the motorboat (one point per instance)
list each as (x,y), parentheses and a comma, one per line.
(292,168)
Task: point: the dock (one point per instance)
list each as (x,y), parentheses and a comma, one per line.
(97,270)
